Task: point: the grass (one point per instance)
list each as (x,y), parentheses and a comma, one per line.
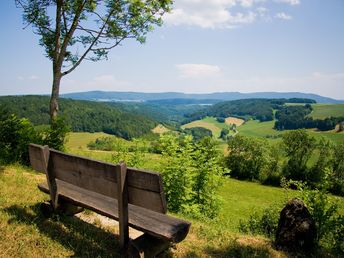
(209,123)
(238,202)
(160,129)
(254,128)
(80,140)
(26,233)
(321,111)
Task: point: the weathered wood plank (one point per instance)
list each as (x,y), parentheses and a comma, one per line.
(123,217)
(36,158)
(154,223)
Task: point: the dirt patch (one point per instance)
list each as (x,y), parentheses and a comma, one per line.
(105,222)
(160,129)
(233,120)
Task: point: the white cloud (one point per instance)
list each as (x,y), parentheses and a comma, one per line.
(26,78)
(197,71)
(33,77)
(283,16)
(291,2)
(211,13)
(222,14)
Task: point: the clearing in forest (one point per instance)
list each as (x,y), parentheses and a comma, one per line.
(160,129)
(233,120)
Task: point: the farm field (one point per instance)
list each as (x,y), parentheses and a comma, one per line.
(321,111)
(212,124)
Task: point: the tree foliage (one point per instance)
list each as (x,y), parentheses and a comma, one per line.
(298,146)
(247,157)
(81,116)
(198,133)
(75,30)
(296,117)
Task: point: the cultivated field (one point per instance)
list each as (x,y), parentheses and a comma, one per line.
(234,120)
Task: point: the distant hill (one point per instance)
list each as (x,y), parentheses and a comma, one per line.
(83,116)
(108,96)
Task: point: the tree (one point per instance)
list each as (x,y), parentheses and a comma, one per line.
(298,146)
(75,30)
(247,157)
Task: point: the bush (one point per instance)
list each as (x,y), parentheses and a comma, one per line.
(55,136)
(17,133)
(15,136)
(192,175)
(261,224)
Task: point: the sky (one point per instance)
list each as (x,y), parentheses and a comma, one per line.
(203,46)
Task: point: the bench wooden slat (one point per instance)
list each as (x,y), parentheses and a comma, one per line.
(156,224)
(144,186)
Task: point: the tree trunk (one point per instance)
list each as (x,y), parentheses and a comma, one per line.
(54,107)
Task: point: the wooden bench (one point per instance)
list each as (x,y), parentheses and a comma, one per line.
(134,197)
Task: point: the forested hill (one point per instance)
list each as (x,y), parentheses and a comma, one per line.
(220,96)
(86,116)
(260,109)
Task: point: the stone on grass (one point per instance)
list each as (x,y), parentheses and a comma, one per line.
(296,228)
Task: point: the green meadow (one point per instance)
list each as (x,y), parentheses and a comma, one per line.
(321,111)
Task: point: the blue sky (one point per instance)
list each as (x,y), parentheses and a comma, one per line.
(203,46)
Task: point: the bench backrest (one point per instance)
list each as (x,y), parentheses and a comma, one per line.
(144,187)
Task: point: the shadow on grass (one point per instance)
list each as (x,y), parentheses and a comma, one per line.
(236,250)
(84,239)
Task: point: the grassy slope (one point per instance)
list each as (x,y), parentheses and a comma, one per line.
(255,128)
(25,233)
(208,123)
(321,111)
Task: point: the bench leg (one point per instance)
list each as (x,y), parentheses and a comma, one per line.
(68,208)
(63,207)
(147,246)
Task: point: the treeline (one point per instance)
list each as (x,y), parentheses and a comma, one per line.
(260,109)
(296,117)
(82,116)
(319,163)
(167,113)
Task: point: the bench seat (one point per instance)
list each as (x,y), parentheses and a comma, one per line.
(156,224)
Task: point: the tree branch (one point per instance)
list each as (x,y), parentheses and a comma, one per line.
(57,34)
(70,33)
(90,47)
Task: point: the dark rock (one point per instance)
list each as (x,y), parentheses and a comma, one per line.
(296,228)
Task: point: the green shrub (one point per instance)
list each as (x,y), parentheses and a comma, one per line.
(55,136)
(15,136)
(192,175)
(261,224)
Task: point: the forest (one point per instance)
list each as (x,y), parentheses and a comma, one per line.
(81,116)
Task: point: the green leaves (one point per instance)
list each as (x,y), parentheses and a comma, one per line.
(94,26)
(192,175)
